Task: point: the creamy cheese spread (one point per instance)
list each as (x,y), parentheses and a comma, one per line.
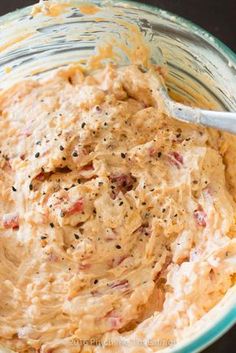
(116,220)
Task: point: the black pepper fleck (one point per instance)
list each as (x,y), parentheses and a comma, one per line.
(14,189)
(37,155)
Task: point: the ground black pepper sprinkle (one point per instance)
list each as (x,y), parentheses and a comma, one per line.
(64,158)
(79,181)
(37,155)
(159,154)
(95,281)
(61,148)
(6,158)
(51,225)
(123,155)
(75,154)
(31,187)
(83,125)
(14,189)
(76,236)
(118,247)
(121,203)
(43,237)
(62,214)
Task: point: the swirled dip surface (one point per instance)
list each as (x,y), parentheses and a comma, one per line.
(116,221)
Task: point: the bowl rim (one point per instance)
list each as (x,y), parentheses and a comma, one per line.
(228,319)
(218,44)
(195,28)
(210,335)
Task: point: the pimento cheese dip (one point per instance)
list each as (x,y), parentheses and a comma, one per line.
(116,220)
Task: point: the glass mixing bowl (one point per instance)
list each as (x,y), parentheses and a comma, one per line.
(201,71)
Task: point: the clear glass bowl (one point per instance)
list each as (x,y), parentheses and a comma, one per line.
(201,71)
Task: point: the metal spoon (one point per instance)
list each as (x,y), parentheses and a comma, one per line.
(220,120)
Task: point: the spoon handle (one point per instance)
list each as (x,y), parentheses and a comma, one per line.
(220,120)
